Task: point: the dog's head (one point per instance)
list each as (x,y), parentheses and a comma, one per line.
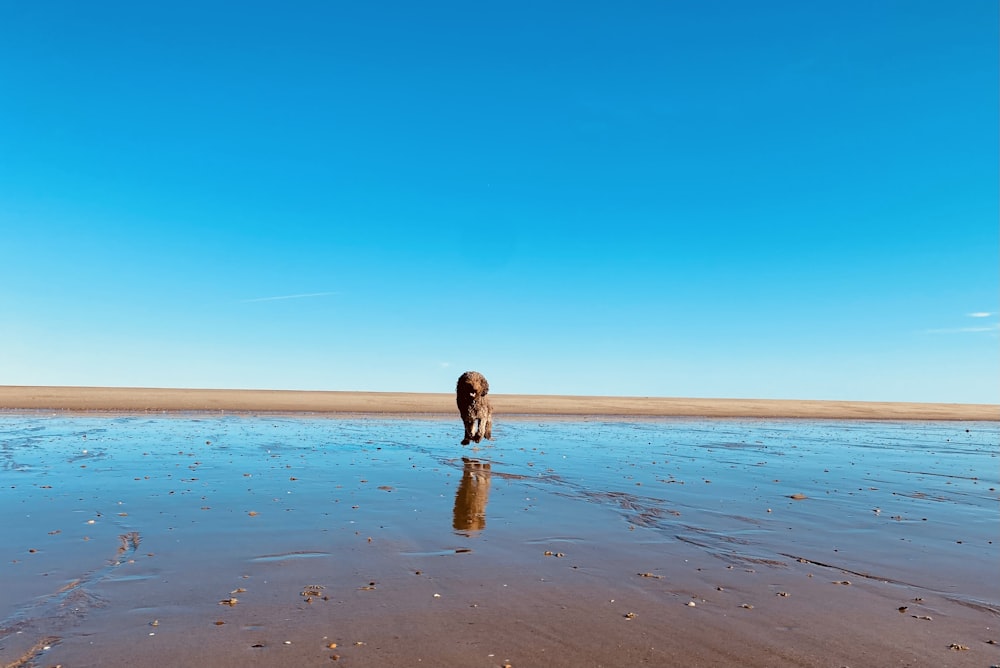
(472,384)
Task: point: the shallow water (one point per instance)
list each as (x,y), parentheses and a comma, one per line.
(187,497)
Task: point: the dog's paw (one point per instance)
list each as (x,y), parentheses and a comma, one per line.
(465,441)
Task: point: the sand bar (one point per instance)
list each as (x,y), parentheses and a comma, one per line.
(126,399)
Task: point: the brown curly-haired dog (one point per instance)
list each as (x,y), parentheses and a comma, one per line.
(474,406)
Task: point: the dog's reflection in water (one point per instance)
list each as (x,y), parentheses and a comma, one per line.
(470,500)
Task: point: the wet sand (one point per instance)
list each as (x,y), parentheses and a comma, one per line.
(125,399)
(241,540)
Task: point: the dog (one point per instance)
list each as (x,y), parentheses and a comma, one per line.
(474,406)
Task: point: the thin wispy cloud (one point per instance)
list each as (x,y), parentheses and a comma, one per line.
(973,329)
(308,295)
(995,327)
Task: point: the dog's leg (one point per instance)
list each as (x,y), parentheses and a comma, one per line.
(488,429)
(468,431)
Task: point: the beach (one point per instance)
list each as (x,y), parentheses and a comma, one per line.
(236,528)
(111,399)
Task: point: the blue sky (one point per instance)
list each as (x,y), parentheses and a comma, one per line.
(682,198)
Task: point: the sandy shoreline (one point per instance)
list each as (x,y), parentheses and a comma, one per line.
(123,399)
(226,540)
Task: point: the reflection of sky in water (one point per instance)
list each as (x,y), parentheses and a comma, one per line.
(914,502)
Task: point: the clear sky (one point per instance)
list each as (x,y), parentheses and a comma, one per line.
(776,199)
